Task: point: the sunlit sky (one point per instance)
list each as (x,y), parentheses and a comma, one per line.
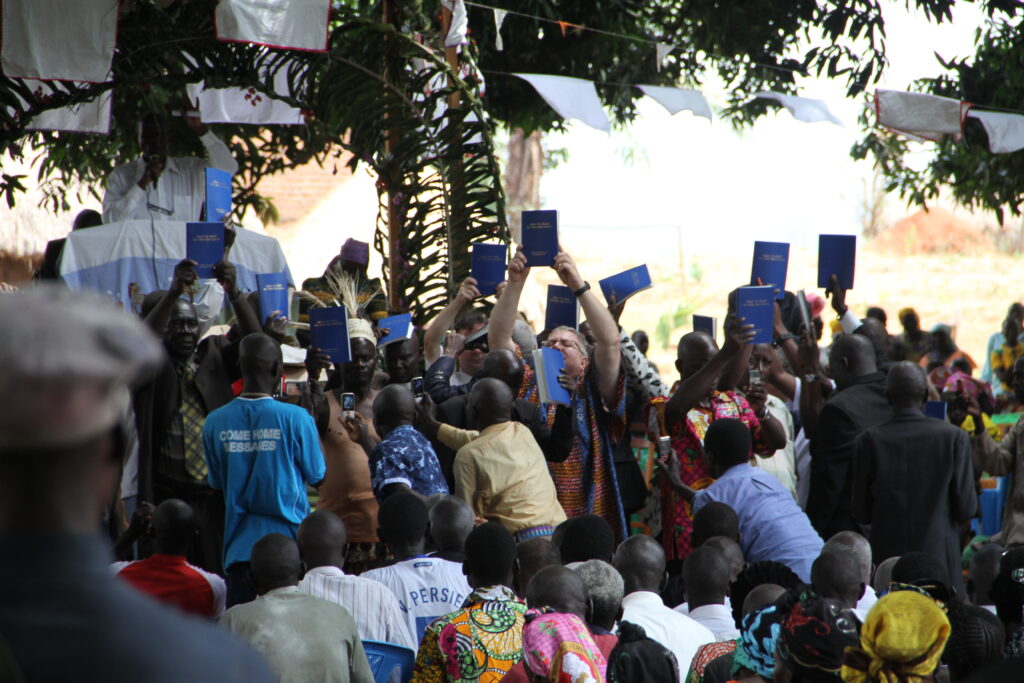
(780,179)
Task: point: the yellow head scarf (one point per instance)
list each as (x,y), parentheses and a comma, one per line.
(901,641)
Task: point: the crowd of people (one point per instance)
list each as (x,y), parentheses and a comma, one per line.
(805,520)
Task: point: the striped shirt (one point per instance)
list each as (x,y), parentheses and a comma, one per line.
(373,606)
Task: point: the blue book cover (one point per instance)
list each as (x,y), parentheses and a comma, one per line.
(204,244)
(540,237)
(562,310)
(218,194)
(771,261)
(936,409)
(273,295)
(399,328)
(618,288)
(489,262)
(757,306)
(549,364)
(706,324)
(837,255)
(328,327)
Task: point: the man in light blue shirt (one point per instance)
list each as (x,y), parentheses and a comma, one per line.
(772,525)
(261,453)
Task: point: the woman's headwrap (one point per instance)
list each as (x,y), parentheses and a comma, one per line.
(755,648)
(814,637)
(901,641)
(560,647)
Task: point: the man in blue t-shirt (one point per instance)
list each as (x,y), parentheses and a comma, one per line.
(261,454)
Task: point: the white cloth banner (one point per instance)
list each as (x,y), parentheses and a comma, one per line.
(84,117)
(245,105)
(292,24)
(460,23)
(804,109)
(663,51)
(70,40)
(499,19)
(676,100)
(572,98)
(1005,131)
(921,116)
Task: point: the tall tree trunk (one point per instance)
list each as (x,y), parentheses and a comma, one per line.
(522,176)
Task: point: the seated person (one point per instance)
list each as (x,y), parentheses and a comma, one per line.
(451,521)
(772,526)
(706,577)
(166,575)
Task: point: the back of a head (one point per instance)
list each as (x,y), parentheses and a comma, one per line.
(836,574)
(975,641)
(714,519)
(587,537)
(490,554)
(506,366)
(490,402)
(858,545)
(402,519)
(523,336)
(322,538)
(757,574)
(395,405)
(762,596)
(924,571)
(605,589)
(728,442)
(87,218)
(258,354)
(174,526)
(558,589)
(275,562)
(852,357)
(904,635)
(451,521)
(878,314)
(732,552)
(907,384)
(883,575)
(814,637)
(639,658)
(706,576)
(875,333)
(533,555)
(641,562)
(983,570)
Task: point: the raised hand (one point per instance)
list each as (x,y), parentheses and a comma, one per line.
(565,266)
(518,271)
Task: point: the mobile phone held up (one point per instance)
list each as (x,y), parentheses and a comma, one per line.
(417,388)
(348,406)
(755,377)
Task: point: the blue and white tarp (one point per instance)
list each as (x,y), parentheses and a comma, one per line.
(137,256)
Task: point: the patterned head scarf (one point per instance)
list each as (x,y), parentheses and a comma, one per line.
(901,641)
(755,648)
(814,637)
(560,647)
(961,383)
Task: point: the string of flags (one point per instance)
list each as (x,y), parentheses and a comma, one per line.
(86,56)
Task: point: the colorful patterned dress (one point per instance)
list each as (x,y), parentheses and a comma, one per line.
(688,444)
(480,642)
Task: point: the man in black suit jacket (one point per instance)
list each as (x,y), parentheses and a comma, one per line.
(858,404)
(913,481)
(504,365)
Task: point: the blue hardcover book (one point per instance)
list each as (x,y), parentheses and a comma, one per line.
(757,306)
(218,194)
(489,262)
(771,261)
(706,324)
(549,364)
(837,255)
(540,237)
(563,309)
(328,327)
(936,409)
(274,297)
(399,328)
(204,244)
(618,288)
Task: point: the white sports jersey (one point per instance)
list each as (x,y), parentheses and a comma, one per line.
(426,588)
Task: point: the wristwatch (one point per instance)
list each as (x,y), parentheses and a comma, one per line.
(582,290)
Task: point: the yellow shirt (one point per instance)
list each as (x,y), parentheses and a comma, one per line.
(501,473)
(990,426)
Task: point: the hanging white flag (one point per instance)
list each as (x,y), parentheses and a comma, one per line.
(291,24)
(572,98)
(499,19)
(245,105)
(663,51)
(84,117)
(804,109)
(1005,131)
(57,39)
(676,100)
(922,116)
(460,23)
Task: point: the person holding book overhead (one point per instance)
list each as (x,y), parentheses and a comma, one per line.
(586,480)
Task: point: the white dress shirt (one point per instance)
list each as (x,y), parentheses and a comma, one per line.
(677,633)
(372,605)
(178,193)
(717,619)
(866,602)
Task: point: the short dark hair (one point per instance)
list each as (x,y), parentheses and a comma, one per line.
(470,319)
(975,639)
(490,553)
(714,519)
(729,442)
(402,518)
(587,537)
(757,574)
